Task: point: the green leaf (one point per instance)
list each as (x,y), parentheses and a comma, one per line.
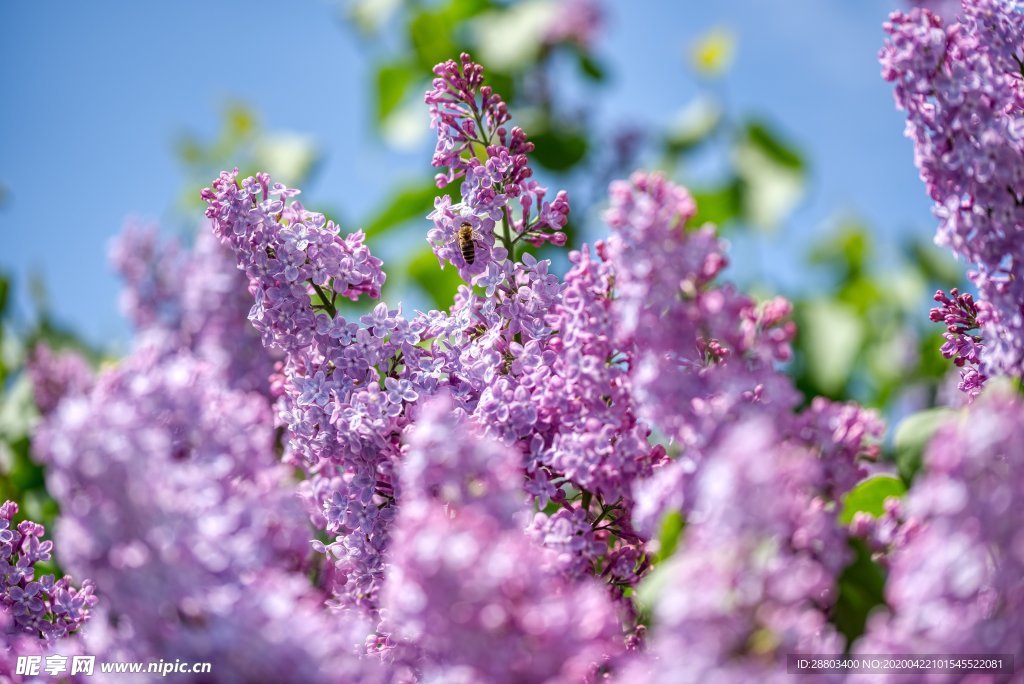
(719,206)
(440,284)
(650,589)
(430,35)
(830,336)
(407,203)
(935,263)
(869,497)
(560,149)
(392,80)
(782,153)
(912,436)
(5,293)
(590,67)
(861,590)
(772,177)
(671,529)
(289,157)
(845,251)
(693,124)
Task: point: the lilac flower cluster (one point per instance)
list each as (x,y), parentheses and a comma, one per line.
(507,358)
(567,375)
(957,583)
(960,314)
(56,374)
(704,352)
(45,607)
(961,85)
(175,503)
(947,10)
(705,356)
(345,384)
(475,596)
(484,483)
(755,576)
(193,299)
(887,534)
(498,190)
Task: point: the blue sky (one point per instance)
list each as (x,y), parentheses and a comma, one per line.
(96,93)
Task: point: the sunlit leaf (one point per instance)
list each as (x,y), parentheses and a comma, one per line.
(869,497)
(510,39)
(650,589)
(671,530)
(830,335)
(412,201)
(371,15)
(440,284)
(712,54)
(694,124)
(912,436)
(406,128)
(392,79)
(288,157)
(772,176)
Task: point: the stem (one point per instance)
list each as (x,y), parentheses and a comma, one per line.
(328,305)
(506,233)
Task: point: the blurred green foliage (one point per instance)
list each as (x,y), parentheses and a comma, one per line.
(22,479)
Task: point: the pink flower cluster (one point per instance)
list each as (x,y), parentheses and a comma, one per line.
(962,88)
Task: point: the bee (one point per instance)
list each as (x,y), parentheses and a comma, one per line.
(467,237)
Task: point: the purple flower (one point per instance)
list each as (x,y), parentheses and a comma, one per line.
(498,194)
(755,572)
(40,607)
(174,502)
(468,594)
(960,87)
(956,581)
(195,299)
(57,374)
(705,354)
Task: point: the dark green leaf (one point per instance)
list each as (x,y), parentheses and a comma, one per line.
(413,201)
(5,291)
(558,150)
(861,589)
(591,67)
(782,153)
